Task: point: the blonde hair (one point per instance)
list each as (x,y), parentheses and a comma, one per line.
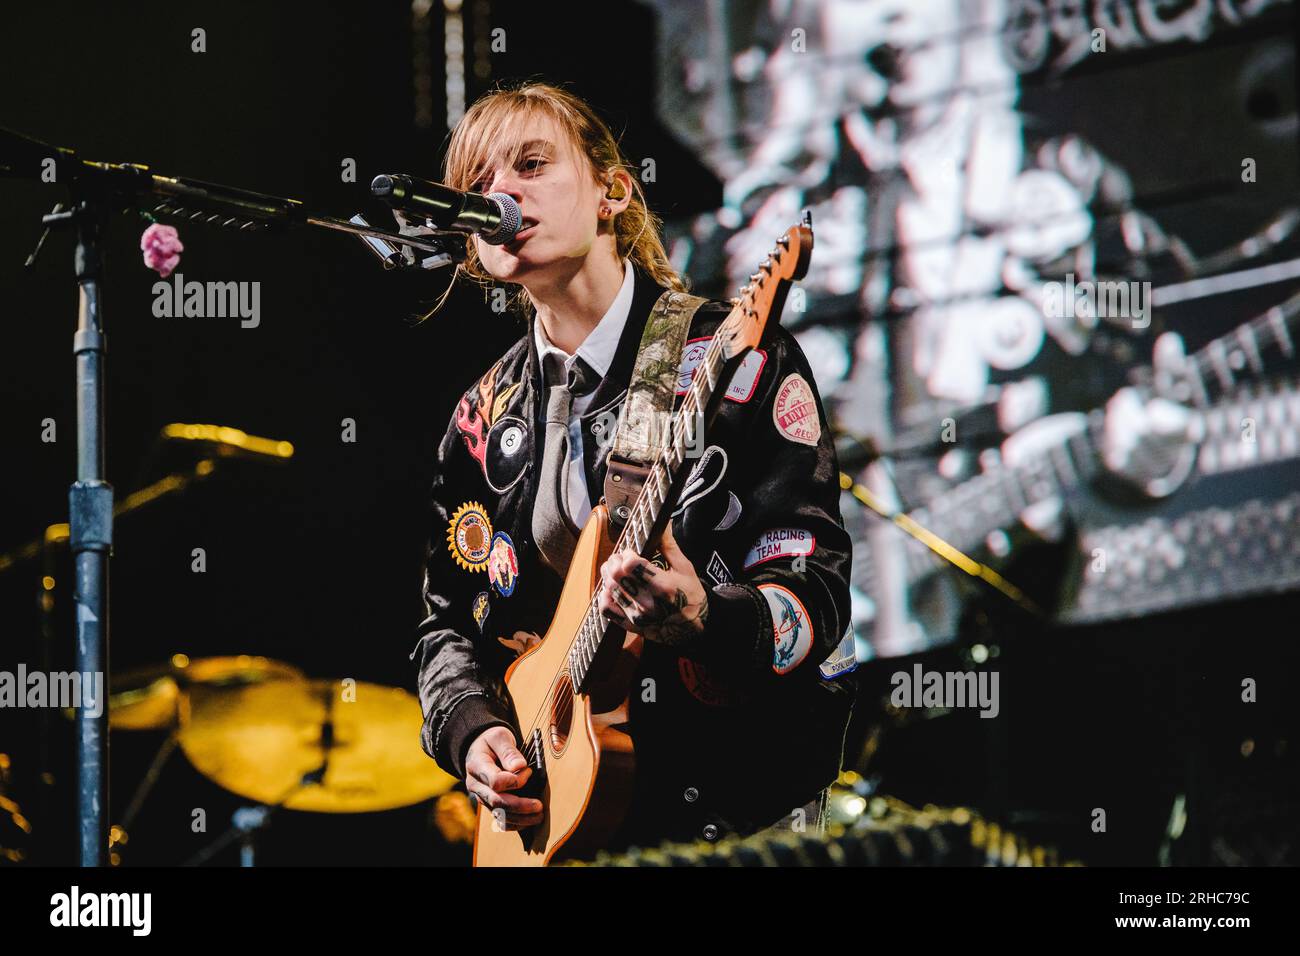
(492,129)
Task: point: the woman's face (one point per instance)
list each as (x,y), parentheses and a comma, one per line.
(558,200)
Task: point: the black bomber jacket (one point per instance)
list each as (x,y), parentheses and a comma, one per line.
(734,732)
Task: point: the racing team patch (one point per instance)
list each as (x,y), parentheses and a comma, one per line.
(780,543)
(792,631)
(795,411)
(503,567)
(469,536)
(742,384)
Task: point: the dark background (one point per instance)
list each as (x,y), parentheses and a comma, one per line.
(318,562)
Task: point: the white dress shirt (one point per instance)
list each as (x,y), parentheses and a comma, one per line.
(597,350)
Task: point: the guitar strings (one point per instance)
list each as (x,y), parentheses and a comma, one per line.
(590,618)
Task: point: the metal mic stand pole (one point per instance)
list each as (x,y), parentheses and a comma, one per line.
(90,511)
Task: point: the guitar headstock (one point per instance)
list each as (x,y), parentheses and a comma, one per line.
(767,288)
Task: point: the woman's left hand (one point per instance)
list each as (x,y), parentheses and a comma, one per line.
(665,606)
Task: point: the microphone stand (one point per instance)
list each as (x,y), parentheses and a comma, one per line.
(90,518)
(98,190)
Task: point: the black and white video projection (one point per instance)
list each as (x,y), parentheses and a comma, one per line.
(1015,202)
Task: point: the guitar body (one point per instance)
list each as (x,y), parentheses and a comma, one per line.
(588,755)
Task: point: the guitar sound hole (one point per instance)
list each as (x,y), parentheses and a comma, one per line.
(561,714)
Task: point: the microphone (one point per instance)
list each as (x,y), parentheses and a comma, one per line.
(494,218)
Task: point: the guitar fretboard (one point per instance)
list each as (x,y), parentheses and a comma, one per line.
(994,500)
(657,495)
(1217,367)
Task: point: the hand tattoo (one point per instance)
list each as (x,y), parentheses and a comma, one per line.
(669,626)
(665,622)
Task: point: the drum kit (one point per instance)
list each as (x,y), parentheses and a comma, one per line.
(262,730)
(259,728)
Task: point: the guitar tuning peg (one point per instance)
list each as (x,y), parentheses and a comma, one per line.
(767,264)
(783,242)
(755,277)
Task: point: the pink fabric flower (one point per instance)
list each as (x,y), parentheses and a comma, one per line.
(162,248)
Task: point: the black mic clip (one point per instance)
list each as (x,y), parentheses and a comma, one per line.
(393,254)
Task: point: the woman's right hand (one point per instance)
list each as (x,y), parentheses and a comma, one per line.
(494,765)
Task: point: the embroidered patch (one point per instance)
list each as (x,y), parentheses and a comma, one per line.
(480,609)
(476,413)
(487,387)
(795,411)
(701,685)
(792,631)
(503,400)
(703,477)
(742,384)
(469,536)
(732,514)
(503,569)
(507,457)
(780,543)
(842,660)
(718,570)
(512,440)
(473,429)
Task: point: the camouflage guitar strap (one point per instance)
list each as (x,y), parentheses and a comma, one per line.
(647,409)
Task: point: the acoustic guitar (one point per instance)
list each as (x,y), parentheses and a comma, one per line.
(570,691)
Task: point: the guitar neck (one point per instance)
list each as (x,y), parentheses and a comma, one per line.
(1242,354)
(662,487)
(664,483)
(739,332)
(993,501)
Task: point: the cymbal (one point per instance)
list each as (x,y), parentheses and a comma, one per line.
(259,742)
(145,698)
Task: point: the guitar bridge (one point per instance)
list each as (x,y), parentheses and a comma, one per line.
(537,762)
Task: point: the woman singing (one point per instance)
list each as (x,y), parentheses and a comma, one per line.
(740,703)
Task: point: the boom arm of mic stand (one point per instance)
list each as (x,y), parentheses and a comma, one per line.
(228,207)
(239,209)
